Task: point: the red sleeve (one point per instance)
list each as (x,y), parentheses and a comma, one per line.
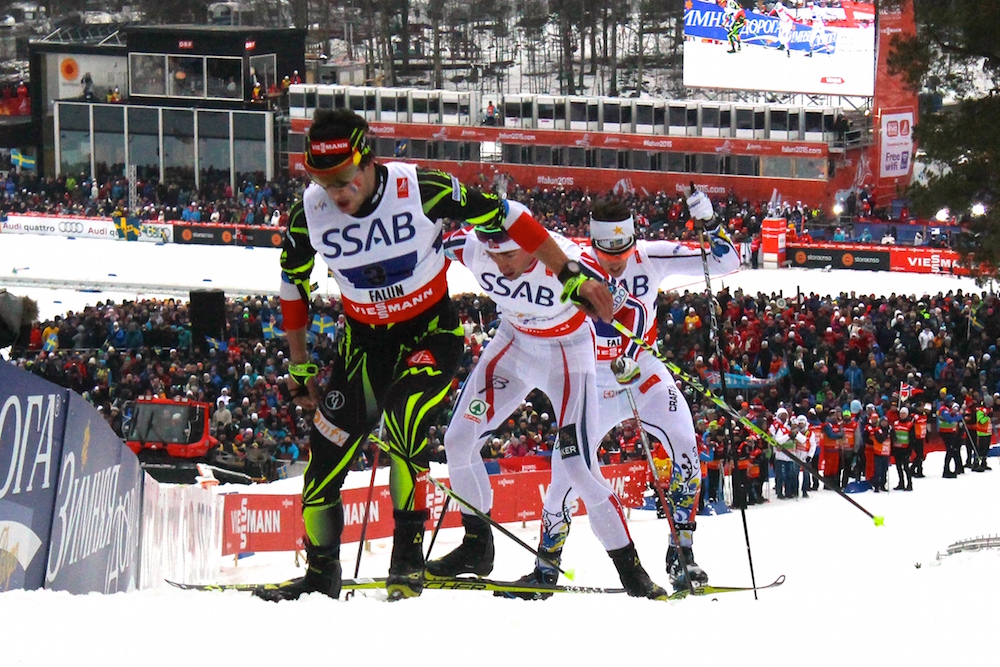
(528,232)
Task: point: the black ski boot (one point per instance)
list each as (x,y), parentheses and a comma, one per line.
(536,576)
(678,578)
(634,578)
(406,566)
(473,556)
(555,530)
(323,575)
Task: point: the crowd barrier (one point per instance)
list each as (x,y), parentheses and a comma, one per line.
(254,522)
(77,513)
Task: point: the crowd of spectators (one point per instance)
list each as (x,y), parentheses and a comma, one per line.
(813,355)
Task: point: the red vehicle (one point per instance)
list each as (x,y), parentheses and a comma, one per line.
(175,428)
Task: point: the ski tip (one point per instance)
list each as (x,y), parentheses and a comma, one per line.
(879,520)
(570,574)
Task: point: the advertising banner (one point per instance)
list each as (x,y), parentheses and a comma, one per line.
(274,522)
(806,49)
(537,176)
(204,234)
(67,74)
(577,139)
(894,102)
(64,226)
(840,256)
(896,158)
(261,237)
(32,421)
(926,260)
(96,526)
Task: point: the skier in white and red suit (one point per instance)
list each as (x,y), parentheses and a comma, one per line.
(640,267)
(543,341)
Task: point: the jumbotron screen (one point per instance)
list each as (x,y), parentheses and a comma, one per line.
(826,46)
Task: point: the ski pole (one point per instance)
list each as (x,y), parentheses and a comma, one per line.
(721,359)
(667,510)
(437,527)
(679,373)
(487,518)
(368,505)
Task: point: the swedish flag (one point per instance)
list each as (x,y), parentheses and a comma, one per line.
(51,343)
(216,344)
(271,330)
(322,324)
(127,228)
(21,160)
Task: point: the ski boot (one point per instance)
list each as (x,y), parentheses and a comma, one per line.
(678,578)
(555,530)
(473,556)
(634,578)
(323,575)
(540,575)
(406,565)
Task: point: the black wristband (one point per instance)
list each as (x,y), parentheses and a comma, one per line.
(569,270)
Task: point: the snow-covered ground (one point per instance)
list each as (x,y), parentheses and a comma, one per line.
(853,593)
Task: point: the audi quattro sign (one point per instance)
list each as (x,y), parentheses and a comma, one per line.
(78,227)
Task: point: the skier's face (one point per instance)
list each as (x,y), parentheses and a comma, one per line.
(512,263)
(614,264)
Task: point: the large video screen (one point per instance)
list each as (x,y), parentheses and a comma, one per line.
(826,46)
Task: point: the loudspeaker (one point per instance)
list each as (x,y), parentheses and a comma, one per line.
(208,314)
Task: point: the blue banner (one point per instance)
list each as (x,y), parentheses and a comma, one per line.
(32,422)
(98,510)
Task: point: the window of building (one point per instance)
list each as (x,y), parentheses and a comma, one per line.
(178,147)
(813,168)
(147,74)
(225,78)
(576,157)
(747,165)
(214,163)
(74,139)
(264,70)
(776,167)
(185,76)
(109,141)
(250,146)
(144,141)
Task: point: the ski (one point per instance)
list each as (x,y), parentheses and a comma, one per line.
(709,589)
(478,584)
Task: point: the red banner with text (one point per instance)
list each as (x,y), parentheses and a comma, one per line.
(254,522)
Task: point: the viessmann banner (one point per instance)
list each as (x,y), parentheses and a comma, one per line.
(903,259)
(274,523)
